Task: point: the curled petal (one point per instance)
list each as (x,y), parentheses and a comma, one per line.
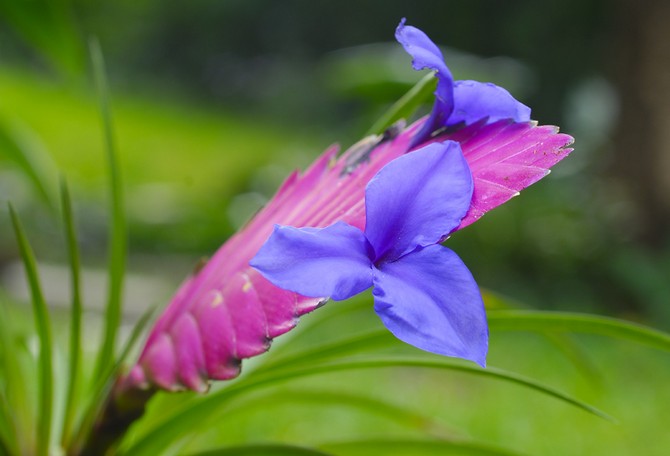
(331,261)
(426,55)
(474,101)
(417,199)
(430,300)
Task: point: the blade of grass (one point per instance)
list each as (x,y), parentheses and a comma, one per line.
(16,394)
(21,146)
(406,105)
(265,450)
(378,338)
(422,361)
(103,386)
(75,315)
(117,235)
(42,325)
(364,403)
(396,447)
(193,414)
(9,433)
(7,429)
(576,355)
(542,321)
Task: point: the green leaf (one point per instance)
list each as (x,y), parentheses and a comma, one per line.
(414,447)
(7,429)
(75,316)
(576,355)
(193,414)
(50,27)
(541,321)
(21,146)
(364,403)
(104,384)
(42,325)
(355,344)
(406,105)
(13,420)
(118,231)
(264,450)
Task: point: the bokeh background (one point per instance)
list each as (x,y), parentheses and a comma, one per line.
(214,102)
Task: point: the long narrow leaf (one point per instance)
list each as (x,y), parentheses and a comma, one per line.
(414,447)
(364,403)
(265,450)
(118,234)
(541,321)
(7,429)
(11,419)
(20,145)
(75,315)
(358,343)
(195,413)
(43,327)
(104,384)
(406,105)
(576,355)
(444,363)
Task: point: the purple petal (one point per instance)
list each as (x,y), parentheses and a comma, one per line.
(329,262)
(426,55)
(417,199)
(430,300)
(478,100)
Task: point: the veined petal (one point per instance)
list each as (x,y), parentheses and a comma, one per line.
(430,300)
(425,54)
(331,261)
(478,100)
(417,199)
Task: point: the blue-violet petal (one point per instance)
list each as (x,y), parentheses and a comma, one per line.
(430,300)
(417,199)
(477,100)
(317,262)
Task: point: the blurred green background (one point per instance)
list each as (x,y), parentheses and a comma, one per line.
(214,102)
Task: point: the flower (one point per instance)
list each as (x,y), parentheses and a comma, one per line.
(456,101)
(228,311)
(423,292)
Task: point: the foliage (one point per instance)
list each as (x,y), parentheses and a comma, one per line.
(50,399)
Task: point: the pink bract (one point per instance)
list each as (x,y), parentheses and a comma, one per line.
(227,311)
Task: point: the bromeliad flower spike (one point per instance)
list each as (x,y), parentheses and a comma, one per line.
(423,292)
(228,311)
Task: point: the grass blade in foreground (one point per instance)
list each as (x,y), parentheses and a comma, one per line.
(265,450)
(192,415)
(118,234)
(414,447)
(42,325)
(541,321)
(403,416)
(75,315)
(20,144)
(15,419)
(99,400)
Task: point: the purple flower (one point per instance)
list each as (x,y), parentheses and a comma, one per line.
(423,292)
(228,311)
(456,102)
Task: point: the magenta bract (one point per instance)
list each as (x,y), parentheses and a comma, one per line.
(227,311)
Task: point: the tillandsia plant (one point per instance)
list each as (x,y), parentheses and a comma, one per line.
(374,216)
(477,148)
